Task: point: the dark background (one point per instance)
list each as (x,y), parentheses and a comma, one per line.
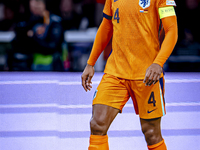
(80,15)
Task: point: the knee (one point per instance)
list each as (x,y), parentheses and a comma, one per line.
(98,126)
(152,135)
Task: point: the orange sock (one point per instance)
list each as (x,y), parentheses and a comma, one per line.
(159,146)
(98,142)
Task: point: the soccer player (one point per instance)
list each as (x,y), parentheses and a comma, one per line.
(134,68)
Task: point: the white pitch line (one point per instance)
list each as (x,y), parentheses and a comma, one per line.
(84,106)
(182,80)
(30,82)
(183,104)
(79,82)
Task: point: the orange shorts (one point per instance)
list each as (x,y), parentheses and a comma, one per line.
(148,101)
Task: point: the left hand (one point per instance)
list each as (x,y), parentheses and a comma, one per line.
(152,74)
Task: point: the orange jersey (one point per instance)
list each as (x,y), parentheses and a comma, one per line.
(135,36)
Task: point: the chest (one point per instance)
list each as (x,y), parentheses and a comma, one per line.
(133,8)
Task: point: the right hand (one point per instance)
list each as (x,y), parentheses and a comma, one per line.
(87,77)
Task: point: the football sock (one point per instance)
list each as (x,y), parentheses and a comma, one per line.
(159,146)
(98,142)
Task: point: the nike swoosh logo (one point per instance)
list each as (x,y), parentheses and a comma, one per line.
(151,111)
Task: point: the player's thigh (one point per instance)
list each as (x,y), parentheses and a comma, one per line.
(111,92)
(103,115)
(150,99)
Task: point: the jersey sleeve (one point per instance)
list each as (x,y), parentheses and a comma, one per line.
(165,8)
(107,11)
(171,35)
(103,36)
(165,3)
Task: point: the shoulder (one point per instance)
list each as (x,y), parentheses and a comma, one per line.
(164,3)
(170,3)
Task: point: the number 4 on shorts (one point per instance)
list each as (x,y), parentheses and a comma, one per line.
(152,99)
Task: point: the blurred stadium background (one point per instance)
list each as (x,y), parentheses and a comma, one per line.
(27,39)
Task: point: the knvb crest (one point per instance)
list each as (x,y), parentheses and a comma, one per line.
(144,3)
